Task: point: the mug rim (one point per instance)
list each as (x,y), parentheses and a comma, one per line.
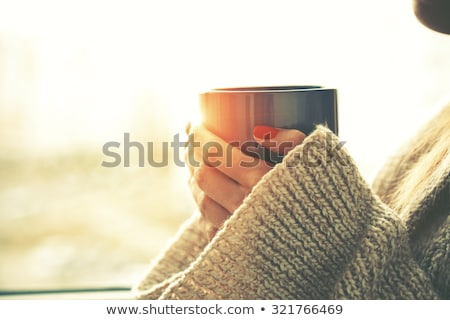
(257,89)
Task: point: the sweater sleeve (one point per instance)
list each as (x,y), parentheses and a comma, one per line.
(311,229)
(165,269)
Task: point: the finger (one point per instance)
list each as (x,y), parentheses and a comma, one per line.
(212,213)
(188,161)
(228,159)
(219,187)
(211,232)
(278,140)
(208,229)
(187,128)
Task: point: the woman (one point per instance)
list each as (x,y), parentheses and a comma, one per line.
(317,232)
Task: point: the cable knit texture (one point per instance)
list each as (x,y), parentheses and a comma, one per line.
(312,228)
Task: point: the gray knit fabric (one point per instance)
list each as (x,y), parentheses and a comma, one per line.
(309,230)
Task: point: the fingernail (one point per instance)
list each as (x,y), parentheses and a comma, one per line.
(265,132)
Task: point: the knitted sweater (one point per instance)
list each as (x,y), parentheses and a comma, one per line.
(312,228)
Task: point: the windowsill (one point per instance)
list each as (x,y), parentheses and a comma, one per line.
(88,294)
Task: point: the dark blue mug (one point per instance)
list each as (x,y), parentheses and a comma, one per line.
(232,113)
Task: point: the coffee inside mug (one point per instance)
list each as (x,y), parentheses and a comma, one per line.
(232,113)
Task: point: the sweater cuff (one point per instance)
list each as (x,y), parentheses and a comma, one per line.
(165,269)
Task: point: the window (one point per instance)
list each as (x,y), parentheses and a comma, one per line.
(75,75)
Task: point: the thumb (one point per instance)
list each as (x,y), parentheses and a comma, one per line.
(278,140)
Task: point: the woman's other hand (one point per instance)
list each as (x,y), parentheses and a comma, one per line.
(221,176)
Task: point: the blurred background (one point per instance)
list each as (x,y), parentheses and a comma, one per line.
(75,75)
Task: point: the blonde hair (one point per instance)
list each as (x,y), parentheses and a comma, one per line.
(428,163)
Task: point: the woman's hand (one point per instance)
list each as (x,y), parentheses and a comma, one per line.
(221,176)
